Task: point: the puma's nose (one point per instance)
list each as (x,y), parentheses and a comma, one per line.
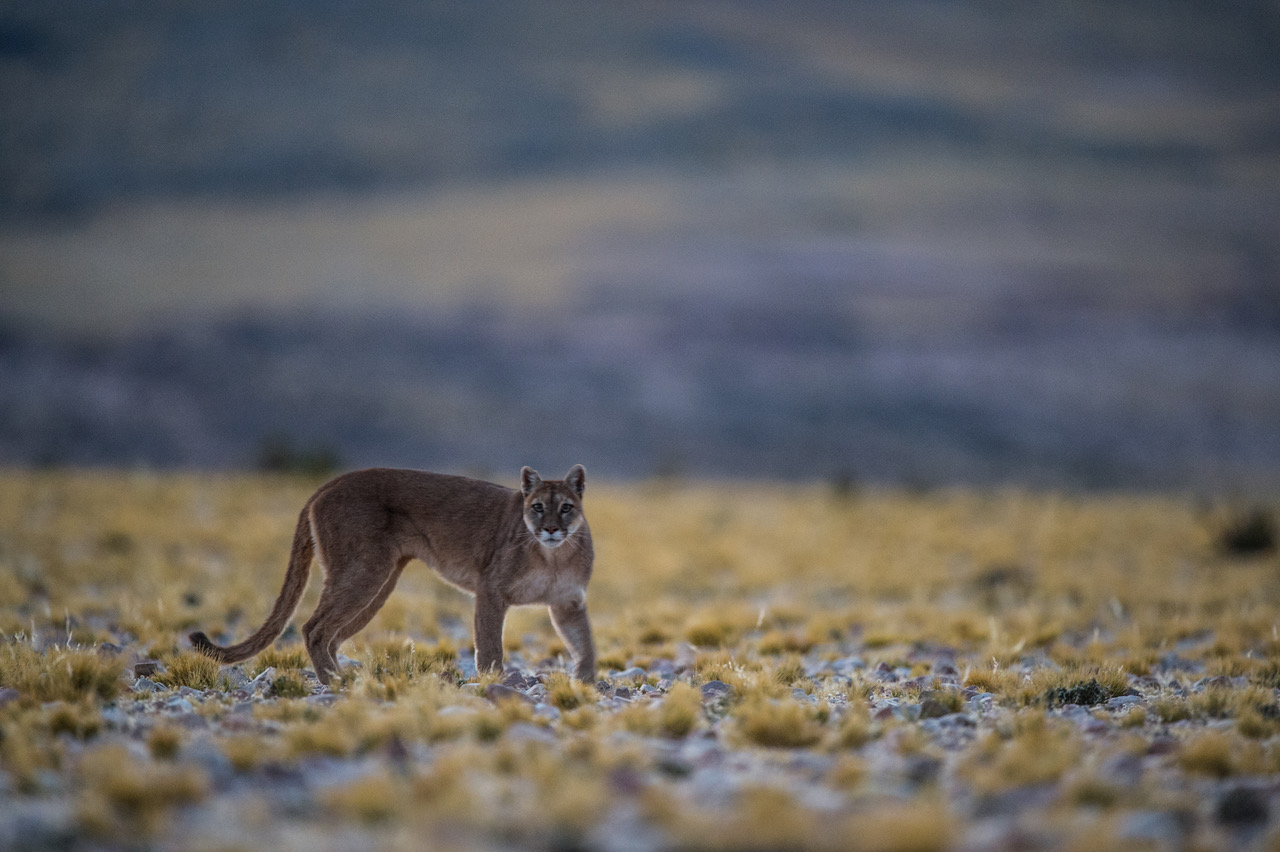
(551,529)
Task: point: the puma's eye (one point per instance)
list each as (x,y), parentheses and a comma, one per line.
(537,508)
(566,508)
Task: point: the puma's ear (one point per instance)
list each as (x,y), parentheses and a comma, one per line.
(576,479)
(529,480)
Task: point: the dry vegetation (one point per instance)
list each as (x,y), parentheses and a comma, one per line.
(781,666)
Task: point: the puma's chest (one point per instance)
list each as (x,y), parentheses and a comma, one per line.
(547,584)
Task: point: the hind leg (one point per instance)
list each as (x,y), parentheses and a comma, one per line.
(350,591)
(361,619)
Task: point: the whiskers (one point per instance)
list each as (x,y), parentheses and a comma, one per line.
(571,540)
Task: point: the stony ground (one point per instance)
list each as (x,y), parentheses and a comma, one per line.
(970,703)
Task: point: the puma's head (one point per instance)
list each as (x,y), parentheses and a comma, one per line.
(553,510)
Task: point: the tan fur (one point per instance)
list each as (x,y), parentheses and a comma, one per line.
(505,547)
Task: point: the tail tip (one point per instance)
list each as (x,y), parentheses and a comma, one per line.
(201,643)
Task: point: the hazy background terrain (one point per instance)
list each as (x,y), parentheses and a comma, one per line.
(919,242)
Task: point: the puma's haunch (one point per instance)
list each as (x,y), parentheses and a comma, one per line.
(505,547)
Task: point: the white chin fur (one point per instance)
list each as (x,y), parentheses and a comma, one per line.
(549,542)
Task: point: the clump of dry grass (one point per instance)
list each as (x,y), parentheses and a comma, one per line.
(776,724)
(375,798)
(1211,753)
(82,720)
(164,741)
(59,674)
(190,669)
(1033,751)
(290,684)
(123,796)
(566,692)
(282,659)
(681,711)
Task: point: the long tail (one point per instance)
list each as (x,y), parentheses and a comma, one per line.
(295,583)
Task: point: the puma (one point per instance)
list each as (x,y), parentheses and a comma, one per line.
(505,547)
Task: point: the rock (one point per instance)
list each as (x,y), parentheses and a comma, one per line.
(981,702)
(931,707)
(323,699)
(1123,769)
(945,669)
(497,692)
(188,692)
(206,754)
(147,668)
(635,673)
(110,649)
(178,704)
(848,665)
(714,690)
(922,769)
(8,694)
(235,677)
(622,692)
(529,732)
(884,673)
(546,711)
(803,697)
(673,765)
(625,780)
(114,717)
(1121,702)
(649,689)
(143,684)
(1156,827)
(1217,682)
(264,679)
(663,668)
(686,657)
(1241,805)
(519,680)
(40,825)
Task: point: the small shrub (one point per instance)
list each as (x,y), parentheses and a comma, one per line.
(789,670)
(81,720)
(164,742)
(776,724)
(784,642)
(567,693)
(190,669)
(60,674)
(681,710)
(1033,752)
(330,736)
(374,799)
(140,794)
(1255,724)
(290,684)
(1170,709)
(289,658)
(1251,534)
(245,753)
(1086,694)
(1208,754)
(854,729)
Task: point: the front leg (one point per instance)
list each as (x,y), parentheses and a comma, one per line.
(491,612)
(570,620)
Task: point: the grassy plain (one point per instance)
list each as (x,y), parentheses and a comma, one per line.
(783,665)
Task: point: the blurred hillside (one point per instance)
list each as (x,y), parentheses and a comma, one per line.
(909,241)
